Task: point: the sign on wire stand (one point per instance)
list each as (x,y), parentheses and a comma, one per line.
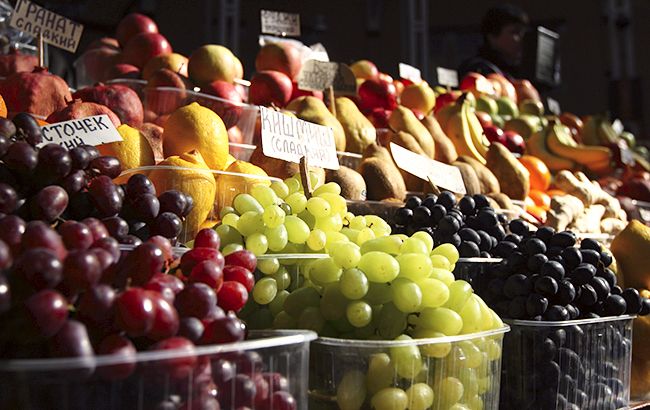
(289,139)
(447,77)
(408,72)
(442,175)
(280,23)
(56,30)
(319,75)
(95,130)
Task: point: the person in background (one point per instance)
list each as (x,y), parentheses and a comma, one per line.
(503,28)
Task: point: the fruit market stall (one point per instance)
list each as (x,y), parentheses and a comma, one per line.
(177,235)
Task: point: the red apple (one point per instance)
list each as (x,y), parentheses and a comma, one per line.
(445,99)
(379,117)
(121,71)
(494,134)
(283,57)
(477,84)
(514,142)
(297,92)
(377,94)
(484,118)
(144,46)
(132,25)
(91,66)
(224,90)
(270,87)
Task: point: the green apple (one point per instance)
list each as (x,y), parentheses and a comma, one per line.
(532,107)
(507,107)
(487,104)
(629,138)
(497,120)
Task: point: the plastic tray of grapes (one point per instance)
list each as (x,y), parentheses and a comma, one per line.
(439,373)
(211,190)
(469,269)
(239,118)
(267,371)
(576,364)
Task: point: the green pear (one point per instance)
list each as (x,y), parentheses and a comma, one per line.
(507,107)
(487,104)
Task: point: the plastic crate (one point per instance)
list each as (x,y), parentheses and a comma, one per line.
(160,102)
(469,365)
(383,209)
(176,376)
(577,364)
(198,183)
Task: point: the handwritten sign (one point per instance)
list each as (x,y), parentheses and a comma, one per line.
(318,52)
(408,72)
(319,75)
(443,175)
(447,77)
(57,30)
(95,130)
(282,24)
(553,106)
(289,139)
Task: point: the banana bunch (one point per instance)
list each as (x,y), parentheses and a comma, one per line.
(598,131)
(536,145)
(464,129)
(596,159)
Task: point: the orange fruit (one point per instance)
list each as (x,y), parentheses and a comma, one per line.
(41,122)
(540,175)
(538,213)
(3,108)
(541,199)
(555,192)
(529,203)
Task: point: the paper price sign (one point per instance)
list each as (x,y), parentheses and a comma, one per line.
(56,30)
(443,175)
(553,106)
(408,72)
(319,75)
(95,130)
(279,23)
(289,139)
(447,77)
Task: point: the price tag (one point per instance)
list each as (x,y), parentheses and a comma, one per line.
(443,175)
(408,72)
(95,130)
(626,157)
(282,24)
(57,30)
(289,139)
(617,125)
(319,75)
(553,106)
(318,52)
(447,77)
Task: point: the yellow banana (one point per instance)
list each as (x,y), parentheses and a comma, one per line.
(476,132)
(458,130)
(536,146)
(598,131)
(561,143)
(589,134)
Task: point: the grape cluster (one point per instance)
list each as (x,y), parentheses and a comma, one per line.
(545,276)
(74,294)
(54,184)
(470,224)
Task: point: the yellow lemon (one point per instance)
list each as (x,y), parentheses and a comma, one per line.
(133,151)
(194,127)
(228,186)
(198,182)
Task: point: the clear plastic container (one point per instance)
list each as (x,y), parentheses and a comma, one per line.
(242,151)
(182,377)
(577,364)
(133,83)
(211,190)
(159,102)
(346,374)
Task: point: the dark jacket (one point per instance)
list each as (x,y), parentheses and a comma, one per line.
(488,61)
